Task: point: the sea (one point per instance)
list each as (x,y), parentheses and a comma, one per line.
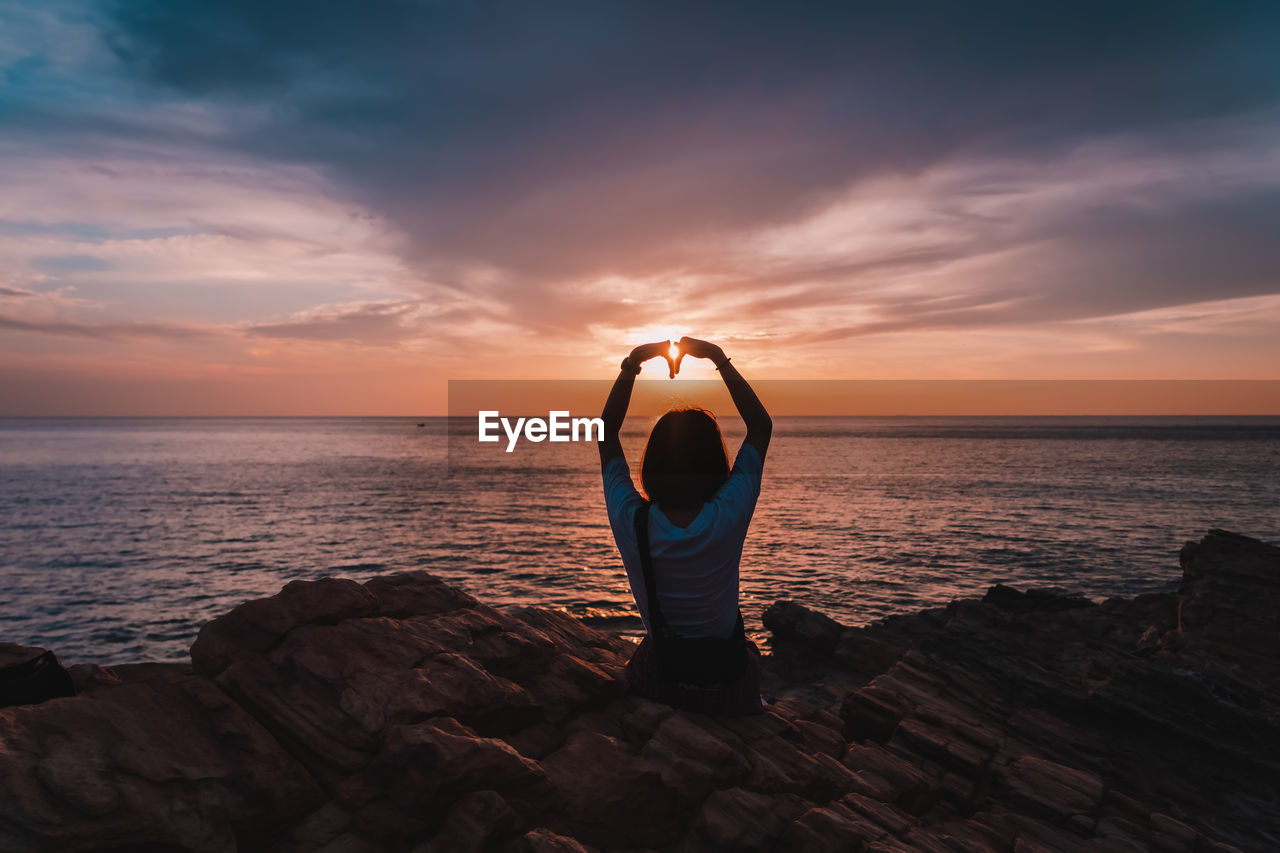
(120,537)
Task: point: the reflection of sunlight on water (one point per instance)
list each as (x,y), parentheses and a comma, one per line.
(119,538)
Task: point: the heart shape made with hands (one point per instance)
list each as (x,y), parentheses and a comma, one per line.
(674,352)
(674,356)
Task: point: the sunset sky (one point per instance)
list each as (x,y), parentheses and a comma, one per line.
(302,207)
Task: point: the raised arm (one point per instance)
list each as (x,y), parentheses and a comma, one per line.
(759,424)
(615,407)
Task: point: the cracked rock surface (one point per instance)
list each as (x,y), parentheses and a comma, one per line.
(402,714)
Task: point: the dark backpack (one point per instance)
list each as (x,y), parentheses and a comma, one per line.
(698,661)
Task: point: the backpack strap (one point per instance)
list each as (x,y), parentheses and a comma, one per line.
(656,619)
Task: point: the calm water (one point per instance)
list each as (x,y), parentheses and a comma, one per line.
(119,538)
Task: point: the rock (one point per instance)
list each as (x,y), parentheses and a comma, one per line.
(891,778)
(1033,600)
(410,594)
(545,841)
(983,692)
(569,684)
(861,652)
(332,691)
(404,715)
(1230,591)
(320,827)
(480,821)
(257,626)
(30,675)
(871,714)
(739,820)
(13,654)
(601,786)
(820,738)
(776,767)
(162,760)
(814,630)
(569,633)
(423,769)
(349,842)
(1064,794)
(692,761)
(832,827)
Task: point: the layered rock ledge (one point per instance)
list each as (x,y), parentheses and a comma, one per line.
(402,714)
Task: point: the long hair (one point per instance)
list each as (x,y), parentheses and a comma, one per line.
(685,461)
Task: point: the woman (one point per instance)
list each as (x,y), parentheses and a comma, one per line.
(682,546)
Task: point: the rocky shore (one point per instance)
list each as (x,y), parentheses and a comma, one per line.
(404,715)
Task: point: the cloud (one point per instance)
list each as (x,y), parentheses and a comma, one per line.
(569,140)
(540,184)
(999,243)
(106,331)
(376,324)
(70,263)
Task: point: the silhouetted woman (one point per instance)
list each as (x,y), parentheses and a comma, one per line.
(682,546)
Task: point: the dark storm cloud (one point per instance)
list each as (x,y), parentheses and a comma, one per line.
(556,141)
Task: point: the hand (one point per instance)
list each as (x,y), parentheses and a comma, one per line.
(697,349)
(644,352)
